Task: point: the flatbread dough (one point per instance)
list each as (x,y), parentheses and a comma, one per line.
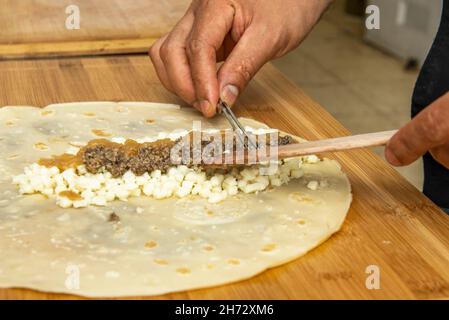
(147,246)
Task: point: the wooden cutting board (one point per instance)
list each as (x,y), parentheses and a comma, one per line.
(35,28)
(390,224)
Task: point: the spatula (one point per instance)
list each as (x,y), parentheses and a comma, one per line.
(335,144)
(304,149)
(317,147)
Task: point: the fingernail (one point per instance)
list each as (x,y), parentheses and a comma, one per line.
(204,106)
(391,157)
(229,94)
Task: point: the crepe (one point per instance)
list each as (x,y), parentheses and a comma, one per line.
(146,246)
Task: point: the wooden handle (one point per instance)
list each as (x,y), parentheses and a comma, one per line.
(336,144)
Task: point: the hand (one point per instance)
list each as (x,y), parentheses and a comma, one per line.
(243,33)
(428,131)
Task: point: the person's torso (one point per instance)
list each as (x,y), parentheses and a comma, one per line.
(432,83)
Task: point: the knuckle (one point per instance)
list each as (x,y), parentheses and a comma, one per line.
(407,150)
(284,40)
(199,49)
(152,52)
(245,69)
(165,50)
(434,126)
(195,46)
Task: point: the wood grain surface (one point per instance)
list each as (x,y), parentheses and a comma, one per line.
(32,28)
(390,223)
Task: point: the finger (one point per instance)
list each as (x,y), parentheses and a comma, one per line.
(428,130)
(174,57)
(213,20)
(159,64)
(441,154)
(252,51)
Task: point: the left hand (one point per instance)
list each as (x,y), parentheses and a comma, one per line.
(427,132)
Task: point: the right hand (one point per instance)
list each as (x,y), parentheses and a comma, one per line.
(427,132)
(245,34)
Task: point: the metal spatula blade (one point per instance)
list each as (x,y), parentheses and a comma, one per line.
(236,125)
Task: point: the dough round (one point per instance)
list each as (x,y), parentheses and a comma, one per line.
(147,246)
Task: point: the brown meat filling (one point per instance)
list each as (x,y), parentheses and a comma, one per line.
(138,157)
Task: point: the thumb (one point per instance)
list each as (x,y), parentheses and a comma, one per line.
(427,131)
(251,52)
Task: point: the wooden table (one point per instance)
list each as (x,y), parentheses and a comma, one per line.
(36,28)
(390,223)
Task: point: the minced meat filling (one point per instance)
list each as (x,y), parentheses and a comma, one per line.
(282,141)
(117,159)
(139,158)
